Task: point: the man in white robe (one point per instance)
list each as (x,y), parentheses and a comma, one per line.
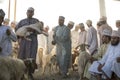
(82,34)
(91,39)
(75,37)
(106,65)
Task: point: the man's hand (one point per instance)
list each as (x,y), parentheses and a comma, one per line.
(92,59)
(118,59)
(8,32)
(100,67)
(0,49)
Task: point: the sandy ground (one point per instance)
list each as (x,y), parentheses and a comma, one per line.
(53,75)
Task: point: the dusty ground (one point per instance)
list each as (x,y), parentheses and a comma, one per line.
(50,75)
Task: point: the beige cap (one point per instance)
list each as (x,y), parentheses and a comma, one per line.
(89,22)
(103,18)
(71,23)
(115,33)
(106,32)
(6,20)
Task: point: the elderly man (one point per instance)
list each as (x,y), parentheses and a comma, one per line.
(62,38)
(106,66)
(106,38)
(27,48)
(82,34)
(104,25)
(91,39)
(6,37)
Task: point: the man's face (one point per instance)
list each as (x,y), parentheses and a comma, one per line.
(61,22)
(1,19)
(30,14)
(117,24)
(105,39)
(82,29)
(114,40)
(70,26)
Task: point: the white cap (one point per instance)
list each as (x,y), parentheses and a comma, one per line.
(117,21)
(6,20)
(81,25)
(115,33)
(106,32)
(61,17)
(71,23)
(30,9)
(2,13)
(89,22)
(103,18)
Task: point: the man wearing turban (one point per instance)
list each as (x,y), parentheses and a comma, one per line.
(108,64)
(62,39)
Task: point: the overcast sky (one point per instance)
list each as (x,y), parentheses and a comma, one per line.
(73,10)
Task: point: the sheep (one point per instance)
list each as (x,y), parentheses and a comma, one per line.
(49,60)
(11,68)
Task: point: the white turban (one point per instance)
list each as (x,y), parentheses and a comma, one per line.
(2,13)
(81,25)
(106,32)
(31,9)
(115,33)
(6,20)
(103,18)
(61,17)
(71,23)
(89,22)
(118,21)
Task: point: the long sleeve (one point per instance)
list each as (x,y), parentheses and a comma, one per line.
(89,37)
(102,61)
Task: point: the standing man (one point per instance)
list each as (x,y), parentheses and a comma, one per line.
(75,36)
(82,34)
(91,39)
(6,37)
(28,49)
(62,40)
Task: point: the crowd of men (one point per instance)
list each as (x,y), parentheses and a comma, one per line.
(99,53)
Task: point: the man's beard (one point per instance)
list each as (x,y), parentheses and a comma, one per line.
(115,43)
